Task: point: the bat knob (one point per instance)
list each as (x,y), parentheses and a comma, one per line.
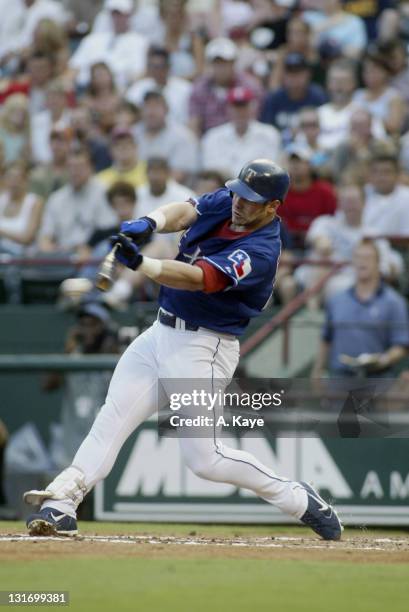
(103,282)
(105,276)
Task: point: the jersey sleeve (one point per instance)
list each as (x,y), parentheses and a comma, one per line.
(244,268)
(214,279)
(208,203)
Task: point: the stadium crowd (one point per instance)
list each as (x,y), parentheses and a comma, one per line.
(112,108)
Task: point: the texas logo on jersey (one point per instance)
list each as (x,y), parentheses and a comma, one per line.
(241,263)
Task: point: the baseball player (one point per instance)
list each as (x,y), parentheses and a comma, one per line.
(222,276)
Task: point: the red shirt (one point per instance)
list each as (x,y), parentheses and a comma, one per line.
(214,279)
(302,207)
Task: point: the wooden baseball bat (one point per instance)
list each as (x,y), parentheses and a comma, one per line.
(105,276)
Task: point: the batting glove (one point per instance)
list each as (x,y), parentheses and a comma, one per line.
(128,252)
(139,230)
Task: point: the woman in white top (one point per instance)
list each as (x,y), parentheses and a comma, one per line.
(378,97)
(20,212)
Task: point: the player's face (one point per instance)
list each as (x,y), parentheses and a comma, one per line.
(246,213)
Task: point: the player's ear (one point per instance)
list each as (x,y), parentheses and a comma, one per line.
(272,206)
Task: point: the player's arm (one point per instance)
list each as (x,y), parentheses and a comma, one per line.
(177,216)
(167,219)
(174,274)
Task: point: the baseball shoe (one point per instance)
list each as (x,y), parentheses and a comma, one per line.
(320,516)
(51,522)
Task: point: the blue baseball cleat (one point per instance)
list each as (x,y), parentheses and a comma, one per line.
(320,516)
(51,522)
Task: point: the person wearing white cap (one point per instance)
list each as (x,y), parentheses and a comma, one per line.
(123,50)
(208,102)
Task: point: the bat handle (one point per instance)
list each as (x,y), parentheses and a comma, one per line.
(105,274)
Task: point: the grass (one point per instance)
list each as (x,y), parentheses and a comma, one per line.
(178,584)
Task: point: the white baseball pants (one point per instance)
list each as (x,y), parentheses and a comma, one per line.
(163,353)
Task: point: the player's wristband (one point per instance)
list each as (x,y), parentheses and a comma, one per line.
(151,267)
(159,218)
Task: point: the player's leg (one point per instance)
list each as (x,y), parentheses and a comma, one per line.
(209,361)
(132,398)
(216,359)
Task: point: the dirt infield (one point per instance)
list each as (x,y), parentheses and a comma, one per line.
(360,548)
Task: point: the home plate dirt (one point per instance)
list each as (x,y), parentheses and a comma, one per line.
(354,548)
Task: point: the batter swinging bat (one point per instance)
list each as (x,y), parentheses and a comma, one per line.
(105,276)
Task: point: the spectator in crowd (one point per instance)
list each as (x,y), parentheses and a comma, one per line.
(335,237)
(308,197)
(51,39)
(47,178)
(158,136)
(378,97)
(386,211)
(354,153)
(49,36)
(19,22)
(298,40)
(126,163)
(394,22)
(207,181)
(332,23)
(395,54)
(144,19)
(335,115)
(369,319)
(76,210)
(231,15)
(20,211)
(88,133)
(122,198)
(208,102)
(56,114)
(183,43)
(20,218)
(40,69)
(101,96)
(128,115)
(281,106)
(308,131)
(82,392)
(175,90)
(160,189)
(230,146)
(15,128)
(123,50)
(369,12)
(271,17)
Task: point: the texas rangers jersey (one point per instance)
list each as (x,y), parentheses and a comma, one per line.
(250,263)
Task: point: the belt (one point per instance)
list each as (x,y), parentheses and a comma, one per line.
(171,320)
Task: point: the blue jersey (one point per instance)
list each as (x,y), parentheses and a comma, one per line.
(250,262)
